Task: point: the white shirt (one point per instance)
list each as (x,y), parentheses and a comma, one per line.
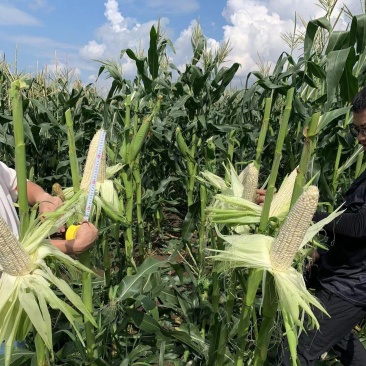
(8,195)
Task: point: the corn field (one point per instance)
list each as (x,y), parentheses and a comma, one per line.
(186,269)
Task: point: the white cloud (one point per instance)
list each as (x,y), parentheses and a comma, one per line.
(93,50)
(253,28)
(114,16)
(10,15)
(117,34)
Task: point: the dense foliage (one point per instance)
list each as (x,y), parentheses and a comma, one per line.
(156,298)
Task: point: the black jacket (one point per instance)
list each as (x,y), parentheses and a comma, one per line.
(343,267)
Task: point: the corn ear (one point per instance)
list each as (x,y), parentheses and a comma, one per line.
(182,146)
(89,164)
(293,230)
(139,139)
(14,260)
(282,199)
(249,178)
(102,167)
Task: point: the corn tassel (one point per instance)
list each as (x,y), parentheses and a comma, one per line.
(13,258)
(292,232)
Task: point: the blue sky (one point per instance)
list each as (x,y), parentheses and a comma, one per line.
(73,34)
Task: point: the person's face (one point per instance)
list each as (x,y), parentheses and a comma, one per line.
(359,127)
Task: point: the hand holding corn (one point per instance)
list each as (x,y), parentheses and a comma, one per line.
(261,195)
(85,236)
(48,203)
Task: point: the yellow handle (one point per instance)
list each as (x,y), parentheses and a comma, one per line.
(71,232)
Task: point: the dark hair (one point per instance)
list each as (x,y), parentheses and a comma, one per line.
(359,101)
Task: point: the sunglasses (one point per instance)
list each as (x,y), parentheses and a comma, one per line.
(355,131)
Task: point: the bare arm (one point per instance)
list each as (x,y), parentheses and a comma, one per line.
(36,194)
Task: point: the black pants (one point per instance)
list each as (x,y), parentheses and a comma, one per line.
(335,332)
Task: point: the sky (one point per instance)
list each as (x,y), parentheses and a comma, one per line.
(35,34)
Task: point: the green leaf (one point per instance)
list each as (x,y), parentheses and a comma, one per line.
(348,82)
(190,221)
(19,357)
(311,30)
(336,65)
(30,305)
(131,285)
(330,116)
(360,21)
(148,324)
(337,41)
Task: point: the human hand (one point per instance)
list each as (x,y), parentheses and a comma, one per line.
(48,203)
(261,195)
(85,236)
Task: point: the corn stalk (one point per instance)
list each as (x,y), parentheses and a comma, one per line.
(20,160)
(310,134)
(270,303)
(72,151)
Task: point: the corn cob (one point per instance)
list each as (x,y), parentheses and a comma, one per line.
(140,137)
(249,179)
(292,232)
(13,258)
(182,146)
(89,164)
(102,167)
(282,199)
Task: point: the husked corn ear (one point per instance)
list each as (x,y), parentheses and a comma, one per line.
(249,179)
(102,168)
(292,232)
(282,199)
(89,164)
(14,260)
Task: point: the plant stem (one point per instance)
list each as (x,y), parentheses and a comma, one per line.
(277,159)
(20,160)
(250,288)
(72,152)
(87,295)
(269,312)
(307,151)
(263,131)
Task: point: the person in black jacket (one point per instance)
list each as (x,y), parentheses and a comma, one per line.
(341,280)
